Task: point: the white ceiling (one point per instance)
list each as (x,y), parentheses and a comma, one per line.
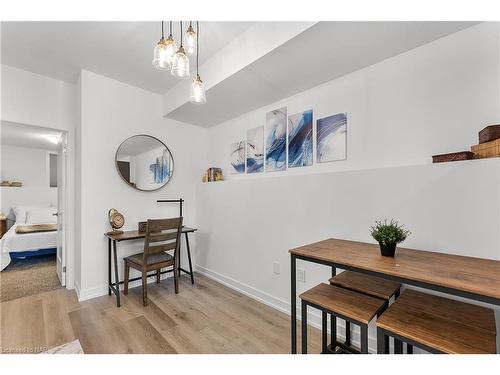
(119,50)
(13,134)
(323,52)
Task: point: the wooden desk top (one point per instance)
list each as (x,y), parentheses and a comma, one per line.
(466,274)
(135,234)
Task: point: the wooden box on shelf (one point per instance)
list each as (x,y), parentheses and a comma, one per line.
(489,133)
(486,150)
(454,156)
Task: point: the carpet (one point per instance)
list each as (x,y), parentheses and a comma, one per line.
(25,277)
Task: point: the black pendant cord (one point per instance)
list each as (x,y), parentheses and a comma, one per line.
(170,29)
(197,47)
(162,36)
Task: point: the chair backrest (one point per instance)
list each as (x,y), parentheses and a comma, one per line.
(162,235)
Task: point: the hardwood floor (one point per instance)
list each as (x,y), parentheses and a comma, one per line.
(203,318)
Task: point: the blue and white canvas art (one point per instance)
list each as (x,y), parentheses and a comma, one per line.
(160,170)
(255,150)
(238,157)
(300,139)
(331,138)
(275,137)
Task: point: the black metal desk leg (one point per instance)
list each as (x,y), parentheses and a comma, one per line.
(304,327)
(333,323)
(293,304)
(109,266)
(364,339)
(117,280)
(398,346)
(189,258)
(348,333)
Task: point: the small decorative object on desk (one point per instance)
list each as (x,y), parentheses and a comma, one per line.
(213,175)
(11,183)
(116,220)
(142,226)
(388,235)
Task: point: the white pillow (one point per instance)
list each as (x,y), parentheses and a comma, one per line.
(20,211)
(41,216)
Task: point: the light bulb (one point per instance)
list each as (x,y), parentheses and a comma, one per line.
(197,92)
(170,49)
(190,41)
(160,58)
(180,64)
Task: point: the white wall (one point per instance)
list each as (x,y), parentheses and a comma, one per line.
(430,100)
(30,166)
(401,111)
(111,112)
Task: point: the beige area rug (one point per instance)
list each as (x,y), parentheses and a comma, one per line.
(26,277)
(72,347)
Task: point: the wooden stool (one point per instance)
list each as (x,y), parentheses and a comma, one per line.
(438,325)
(346,304)
(366,284)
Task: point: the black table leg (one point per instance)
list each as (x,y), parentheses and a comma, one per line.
(333,323)
(109,266)
(189,258)
(398,346)
(117,280)
(304,327)
(293,304)
(324,340)
(382,342)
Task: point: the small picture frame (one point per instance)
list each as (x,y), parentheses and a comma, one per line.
(141,227)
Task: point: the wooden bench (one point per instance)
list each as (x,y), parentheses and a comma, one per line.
(346,304)
(437,325)
(366,284)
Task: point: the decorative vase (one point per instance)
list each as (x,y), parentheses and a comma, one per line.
(388,250)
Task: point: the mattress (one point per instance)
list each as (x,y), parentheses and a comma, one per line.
(13,242)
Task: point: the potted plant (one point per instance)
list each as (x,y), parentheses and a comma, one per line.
(388,235)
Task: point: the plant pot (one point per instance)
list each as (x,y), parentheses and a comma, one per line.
(388,250)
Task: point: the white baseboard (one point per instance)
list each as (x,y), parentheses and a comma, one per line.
(314,317)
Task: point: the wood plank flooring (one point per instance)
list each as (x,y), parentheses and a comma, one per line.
(203,318)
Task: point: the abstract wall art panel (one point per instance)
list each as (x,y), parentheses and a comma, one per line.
(255,150)
(237,157)
(331,138)
(300,139)
(275,138)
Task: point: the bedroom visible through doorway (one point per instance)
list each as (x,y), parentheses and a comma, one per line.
(33,200)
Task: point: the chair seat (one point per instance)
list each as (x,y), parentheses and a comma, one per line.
(152,259)
(347,303)
(442,324)
(371,285)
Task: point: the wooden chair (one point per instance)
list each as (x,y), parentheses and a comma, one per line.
(371,286)
(438,325)
(161,236)
(342,303)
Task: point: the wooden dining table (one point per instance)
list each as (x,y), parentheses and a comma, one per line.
(473,278)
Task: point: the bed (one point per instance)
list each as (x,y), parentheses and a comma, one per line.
(26,244)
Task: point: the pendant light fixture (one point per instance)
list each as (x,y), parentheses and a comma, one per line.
(197,92)
(180,62)
(160,53)
(190,40)
(170,46)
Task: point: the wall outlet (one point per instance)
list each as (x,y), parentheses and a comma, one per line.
(276,268)
(301,275)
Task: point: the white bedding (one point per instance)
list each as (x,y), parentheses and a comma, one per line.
(13,242)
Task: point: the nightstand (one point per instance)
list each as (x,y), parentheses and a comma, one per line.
(3,225)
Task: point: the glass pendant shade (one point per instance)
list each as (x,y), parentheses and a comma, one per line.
(197,91)
(190,41)
(180,64)
(170,49)
(160,58)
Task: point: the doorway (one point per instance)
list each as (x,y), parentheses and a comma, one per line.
(34,203)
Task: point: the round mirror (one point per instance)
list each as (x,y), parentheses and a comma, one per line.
(144,162)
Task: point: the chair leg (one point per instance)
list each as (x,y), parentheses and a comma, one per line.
(364,339)
(324,339)
(125,278)
(158,275)
(144,288)
(176,277)
(382,342)
(304,327)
